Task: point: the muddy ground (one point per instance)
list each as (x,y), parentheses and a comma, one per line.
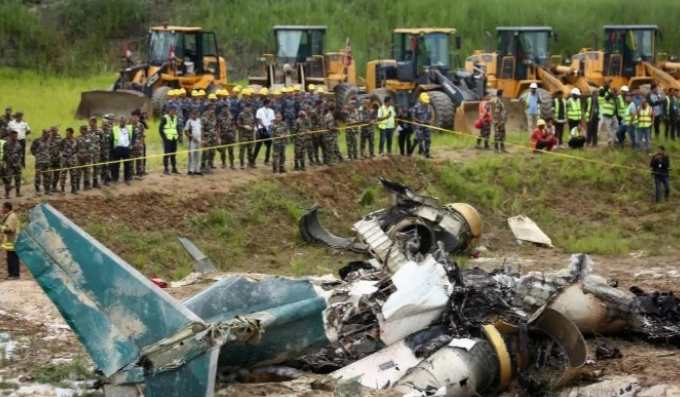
(38,346)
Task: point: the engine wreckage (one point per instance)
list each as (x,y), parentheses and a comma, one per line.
(408,318)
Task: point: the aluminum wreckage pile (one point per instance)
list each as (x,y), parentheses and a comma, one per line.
(406,319)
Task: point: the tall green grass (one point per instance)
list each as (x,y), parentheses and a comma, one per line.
(72,34)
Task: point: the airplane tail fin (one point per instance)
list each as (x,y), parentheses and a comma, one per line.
(116,312)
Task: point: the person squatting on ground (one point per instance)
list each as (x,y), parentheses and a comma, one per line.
(542,138)
(576,138)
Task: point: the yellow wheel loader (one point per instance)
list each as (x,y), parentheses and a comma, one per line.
(522,57)
(628,58)
(176,57)
(299,59)
(422,61)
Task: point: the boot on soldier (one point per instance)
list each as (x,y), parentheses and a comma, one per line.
(486,144)
(478,145)
(496,147)
(18,189)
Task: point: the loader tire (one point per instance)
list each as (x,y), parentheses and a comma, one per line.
(443,109)
(158,99)
(343,93)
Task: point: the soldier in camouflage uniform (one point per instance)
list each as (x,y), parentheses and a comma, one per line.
(499,119)
(209,139)
(55,157)
(246,133)
(12,156)
(104,138)
(351,131)
(367,131)
(301,139)
(96,134)
(85,155)
(69,153)
(227,135)
(316,118)
(40,149)
(330,137)
(280,139)
(137,146)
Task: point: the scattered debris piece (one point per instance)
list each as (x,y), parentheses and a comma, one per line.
(603,351)
(203,263)
(525,229)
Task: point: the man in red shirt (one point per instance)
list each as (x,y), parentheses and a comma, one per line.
(541,138)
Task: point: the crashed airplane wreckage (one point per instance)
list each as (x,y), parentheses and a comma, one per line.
(405,319)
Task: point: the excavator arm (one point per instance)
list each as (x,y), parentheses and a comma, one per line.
(661,77)
(550,82)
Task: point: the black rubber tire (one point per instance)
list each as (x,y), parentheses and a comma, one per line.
(443,109)
(343,92)
(158,99)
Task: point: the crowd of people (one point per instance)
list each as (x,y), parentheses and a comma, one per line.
(233,127)
(239,124)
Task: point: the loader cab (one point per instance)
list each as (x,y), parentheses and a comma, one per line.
(190,51)
(416,50)
(626,46)
(298,44)
(519,48)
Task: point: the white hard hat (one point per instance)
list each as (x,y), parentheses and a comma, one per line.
(533,85)
(575,91)
(625,88)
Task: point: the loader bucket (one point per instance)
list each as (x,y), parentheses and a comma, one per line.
(516,116)
(119,103)
(465,117)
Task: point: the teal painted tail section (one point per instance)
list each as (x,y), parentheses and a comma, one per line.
(115,311)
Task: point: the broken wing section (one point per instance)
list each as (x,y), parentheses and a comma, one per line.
(114,310)
(313,232)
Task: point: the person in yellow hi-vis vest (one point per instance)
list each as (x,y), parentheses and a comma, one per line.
(645,121)
(10,229)
(386,124)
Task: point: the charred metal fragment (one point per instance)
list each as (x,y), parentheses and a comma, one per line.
(312,231)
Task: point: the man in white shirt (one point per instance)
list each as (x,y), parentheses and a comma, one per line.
(193,129)
(265,118)
(22,128)
(122,138)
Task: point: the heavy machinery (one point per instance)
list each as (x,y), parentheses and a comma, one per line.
(176,57)
(522,57)
(629,58)
(422,61)
(299,59)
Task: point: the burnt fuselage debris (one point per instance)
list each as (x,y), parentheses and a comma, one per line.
(415,224)
(406,318)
